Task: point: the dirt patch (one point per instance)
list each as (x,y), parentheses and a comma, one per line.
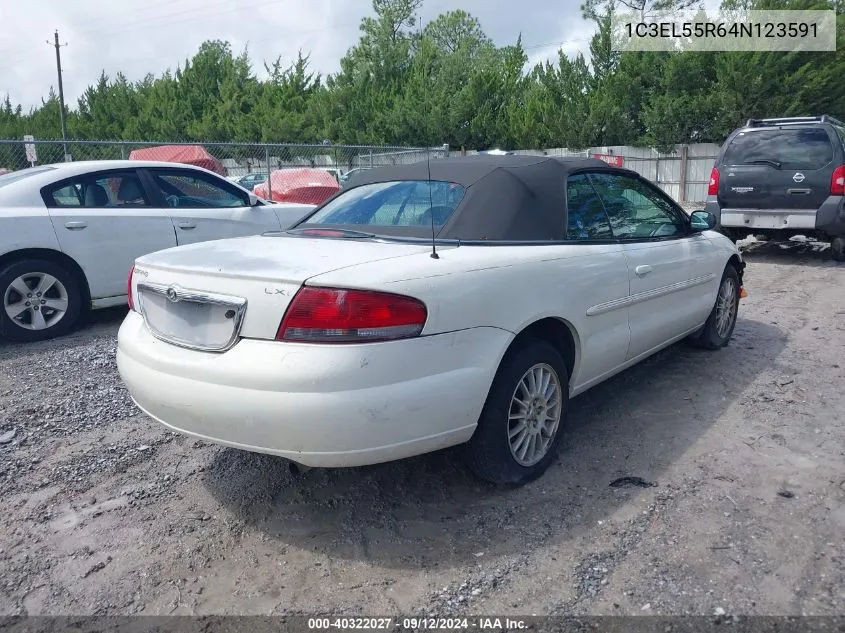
(107,513)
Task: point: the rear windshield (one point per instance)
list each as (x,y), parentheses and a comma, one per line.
(8,179)
(398,203)
(807,148)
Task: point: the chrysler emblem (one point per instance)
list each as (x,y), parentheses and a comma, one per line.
(172,294)
(798,177)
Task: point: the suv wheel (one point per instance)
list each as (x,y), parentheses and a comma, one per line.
(837,249)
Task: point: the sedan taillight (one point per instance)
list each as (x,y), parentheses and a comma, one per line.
(129,288)
(338,315)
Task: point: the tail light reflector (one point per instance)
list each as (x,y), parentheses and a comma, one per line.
(837,181)
(713,187)
(338,315)
(129,288)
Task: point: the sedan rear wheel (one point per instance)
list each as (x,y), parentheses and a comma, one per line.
(40,300)
(534,414)
(519,428)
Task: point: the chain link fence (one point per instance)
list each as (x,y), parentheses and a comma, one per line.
(683,173)
(257,167)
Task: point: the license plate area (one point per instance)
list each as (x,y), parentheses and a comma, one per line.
(188,318)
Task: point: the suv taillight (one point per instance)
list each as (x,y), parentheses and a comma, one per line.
(129,288)
(713,187)
(338,315)
(837,181)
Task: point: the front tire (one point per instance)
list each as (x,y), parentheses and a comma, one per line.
(41,300)
(519,429)
(719,328)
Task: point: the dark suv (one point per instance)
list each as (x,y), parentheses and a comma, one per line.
(782,177)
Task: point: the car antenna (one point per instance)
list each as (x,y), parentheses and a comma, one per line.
(434,254)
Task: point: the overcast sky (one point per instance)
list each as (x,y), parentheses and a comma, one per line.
(142,36)
(149,36)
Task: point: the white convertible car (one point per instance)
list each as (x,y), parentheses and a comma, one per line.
(70,231)
(426,306)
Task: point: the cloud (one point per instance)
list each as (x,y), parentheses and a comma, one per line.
(138,37)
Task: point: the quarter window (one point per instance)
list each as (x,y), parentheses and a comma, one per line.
(636,209)
(586,218)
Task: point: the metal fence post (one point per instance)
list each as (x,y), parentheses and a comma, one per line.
(682,193)
(269,172)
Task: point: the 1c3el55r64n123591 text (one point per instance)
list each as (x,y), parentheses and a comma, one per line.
(673,30)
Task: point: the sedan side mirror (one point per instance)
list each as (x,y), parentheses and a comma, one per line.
(702,221)
(253,200)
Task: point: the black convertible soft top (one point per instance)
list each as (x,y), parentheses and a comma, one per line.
(511,198)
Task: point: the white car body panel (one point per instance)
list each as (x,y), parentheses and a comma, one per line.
(332,405)
(31,228)
(347,405)
(105,242)
(202,225)
(91,238)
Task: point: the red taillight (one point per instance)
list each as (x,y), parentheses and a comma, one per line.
(129,288)
(713,187)
(336,315)
(837,181)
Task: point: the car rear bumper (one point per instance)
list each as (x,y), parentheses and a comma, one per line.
(829,218)
(318,405)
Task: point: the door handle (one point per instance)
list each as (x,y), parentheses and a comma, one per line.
(75,226)
(798,191)
(187,225)
(643,270)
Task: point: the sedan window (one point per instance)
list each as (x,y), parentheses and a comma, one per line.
(98,191)
(636,209)
(189,190)
(586,218)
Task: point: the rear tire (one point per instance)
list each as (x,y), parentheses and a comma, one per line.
(837,249)
(41,300)
(719,328)
(519,429)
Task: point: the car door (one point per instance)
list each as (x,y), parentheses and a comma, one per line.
(206,207)
(598,280)
(672,281)
(104,221)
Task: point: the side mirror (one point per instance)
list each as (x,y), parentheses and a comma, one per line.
(253,200)
(702,221)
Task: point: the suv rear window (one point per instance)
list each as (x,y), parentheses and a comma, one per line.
(807,148)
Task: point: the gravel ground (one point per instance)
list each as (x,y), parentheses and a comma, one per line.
(738,509)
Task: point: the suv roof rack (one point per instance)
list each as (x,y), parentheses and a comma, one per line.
(824,118)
